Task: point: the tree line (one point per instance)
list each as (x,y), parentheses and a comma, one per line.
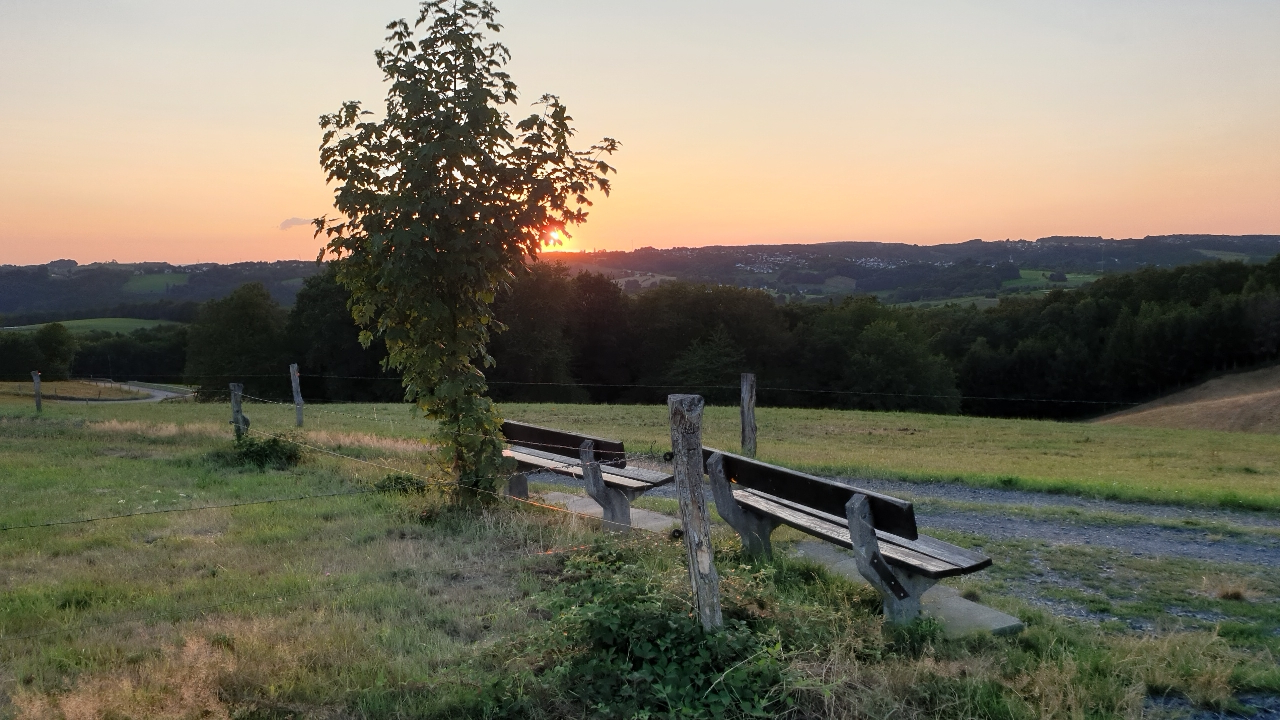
(579,338)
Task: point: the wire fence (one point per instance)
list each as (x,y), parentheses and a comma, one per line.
(703,387)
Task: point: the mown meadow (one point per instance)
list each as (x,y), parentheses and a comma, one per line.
(338,587)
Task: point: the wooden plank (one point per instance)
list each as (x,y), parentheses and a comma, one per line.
(923,544)
(559,442)
(961,557)
(652,478)
(528,460)
(896,550)
(889,513)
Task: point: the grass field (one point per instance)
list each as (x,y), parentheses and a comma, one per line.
(1239,402)
(298,592)
(154,283)
(17,394)
(1169,466)
(1111,461)
(1036,279)
(113,325)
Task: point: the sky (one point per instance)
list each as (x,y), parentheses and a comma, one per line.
(183,131)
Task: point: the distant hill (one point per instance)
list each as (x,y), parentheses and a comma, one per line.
(63,287)
(897,273)
(901,273)
(1242,402)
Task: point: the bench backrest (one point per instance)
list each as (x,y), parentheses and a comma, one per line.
(559,442)
(888,513)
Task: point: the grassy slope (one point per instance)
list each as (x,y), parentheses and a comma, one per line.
(154,283)
(357,603)
(1240,402)
(1130,463)
(311,600)
(1194,467)
(115,325)
(1115,461)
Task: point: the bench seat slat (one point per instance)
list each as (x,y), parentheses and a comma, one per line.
(924,545)
(629,478)
(896,550)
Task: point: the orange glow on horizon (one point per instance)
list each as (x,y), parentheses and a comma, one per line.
(888,122)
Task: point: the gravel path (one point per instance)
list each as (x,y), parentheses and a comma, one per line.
(154,395)
(993,514)
(1135,534)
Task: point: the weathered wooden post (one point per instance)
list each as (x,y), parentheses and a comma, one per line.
(297,392)
(35,381)
(685,412)
(238,419)
(747,409)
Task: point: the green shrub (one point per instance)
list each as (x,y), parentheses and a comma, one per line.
(624,647)
(270,454)
(402,484)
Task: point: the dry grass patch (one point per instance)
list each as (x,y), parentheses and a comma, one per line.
(181,683)
(1225,586)
(157,429)
(71,390)
(338,440)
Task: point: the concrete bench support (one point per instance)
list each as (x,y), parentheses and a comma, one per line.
(900,589)
(615,503)
(752,528)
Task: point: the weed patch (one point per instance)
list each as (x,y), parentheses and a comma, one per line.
(269,454)
(401,484)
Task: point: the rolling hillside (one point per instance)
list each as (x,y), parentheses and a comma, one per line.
(1243,402)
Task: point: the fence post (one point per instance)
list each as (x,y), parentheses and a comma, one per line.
(238,419)
(685,413)
(297,392)
(747,409)
(35,380)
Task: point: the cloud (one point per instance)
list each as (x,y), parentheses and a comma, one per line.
(294,222)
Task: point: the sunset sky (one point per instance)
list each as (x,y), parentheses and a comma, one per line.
(185,132)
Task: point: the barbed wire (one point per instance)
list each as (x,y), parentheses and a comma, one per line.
(678,386)
(611,454)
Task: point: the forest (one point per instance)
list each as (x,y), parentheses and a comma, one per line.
(577,337)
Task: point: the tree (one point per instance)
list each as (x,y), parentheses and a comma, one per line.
(324,339)
(708,365)
(442,203)
(57,349)
(19,355)
(600,333)
(531,357)
(238,339)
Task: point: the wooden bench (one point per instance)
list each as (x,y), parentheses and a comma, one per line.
(901,564)
(600,463)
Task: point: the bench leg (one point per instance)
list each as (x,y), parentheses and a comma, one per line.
(752,528)
(518,486)
(615,503)
(899,589)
